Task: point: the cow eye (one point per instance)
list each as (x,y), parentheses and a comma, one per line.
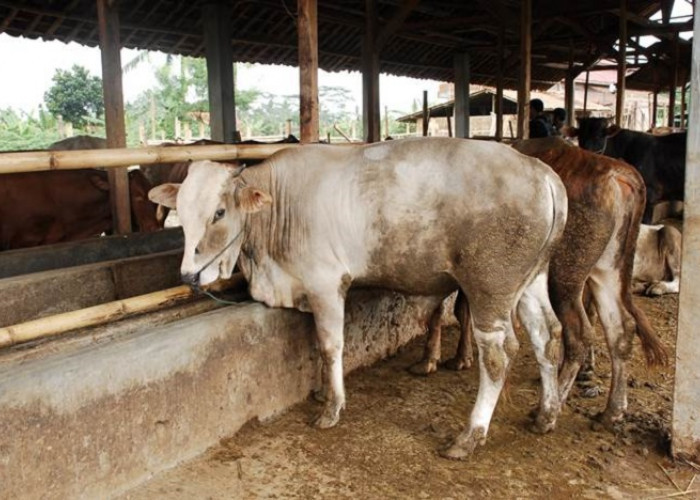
(219,214)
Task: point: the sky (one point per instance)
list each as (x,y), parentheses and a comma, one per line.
(32,64)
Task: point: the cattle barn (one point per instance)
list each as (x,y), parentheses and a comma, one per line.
(113,373)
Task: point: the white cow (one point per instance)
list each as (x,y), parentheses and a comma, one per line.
(657,260)
(421,216)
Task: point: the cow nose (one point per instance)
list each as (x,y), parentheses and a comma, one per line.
(191,279)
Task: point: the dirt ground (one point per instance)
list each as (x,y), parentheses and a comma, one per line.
(385,445)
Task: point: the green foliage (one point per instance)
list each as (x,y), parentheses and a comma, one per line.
(20,131)
(75,95)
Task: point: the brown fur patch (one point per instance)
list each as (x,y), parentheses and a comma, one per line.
(495,362)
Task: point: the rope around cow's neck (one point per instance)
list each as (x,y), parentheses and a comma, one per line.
(205,292)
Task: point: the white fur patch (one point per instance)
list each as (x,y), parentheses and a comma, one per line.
(378,152)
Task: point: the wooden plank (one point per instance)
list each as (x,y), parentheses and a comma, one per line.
(307,25)
(217,41)
(621,65)
(108,21)
(461,106)
(370,75)
(525,69)
(686,399)
(33,161)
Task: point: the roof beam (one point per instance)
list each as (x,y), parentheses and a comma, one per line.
(395,23)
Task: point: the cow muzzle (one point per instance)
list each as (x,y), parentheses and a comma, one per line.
(191,279)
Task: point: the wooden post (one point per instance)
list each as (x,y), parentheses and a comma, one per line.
(461,107)
(621,65)
(585,94)
(370,74)
(449,126)
(499,83)
(110,45)
(683,105)
(217,40)
(525,69)
(654,108)
(569,88)
(673,85)
(307,24)
(426,116)
(386,122)
(686,400)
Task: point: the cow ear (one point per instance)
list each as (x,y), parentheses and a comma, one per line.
(252,200)
(100,182)
(165,194)
(612,130)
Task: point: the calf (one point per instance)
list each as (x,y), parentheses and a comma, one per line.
(606,201)
(660,159)
(657,261)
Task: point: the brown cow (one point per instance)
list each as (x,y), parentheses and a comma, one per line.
(41,208)
(606,203)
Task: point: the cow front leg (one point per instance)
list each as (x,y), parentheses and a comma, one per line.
(328,311)
(464,358)
(493,365)
(433,344)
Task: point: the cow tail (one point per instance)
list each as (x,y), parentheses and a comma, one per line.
(654,351)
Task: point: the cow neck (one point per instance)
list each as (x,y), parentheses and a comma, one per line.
(278,228)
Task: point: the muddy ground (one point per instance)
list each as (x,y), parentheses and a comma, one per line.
(385,445)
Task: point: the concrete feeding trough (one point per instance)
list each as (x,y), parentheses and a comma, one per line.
(102,409)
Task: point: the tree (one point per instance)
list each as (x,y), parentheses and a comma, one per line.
(75,95)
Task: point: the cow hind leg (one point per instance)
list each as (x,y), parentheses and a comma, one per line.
(494,359)
(619,327)
(538,318)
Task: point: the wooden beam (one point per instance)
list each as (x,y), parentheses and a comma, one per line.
(685,430)
(569,88)
(217,40)
(370,74)
(461,85)
(395,23)
(585,94)
(110,46)
(621,65)
(525,69)
(684,88)
(654,108)
(307,23)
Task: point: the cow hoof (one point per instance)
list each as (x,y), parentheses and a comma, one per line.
(606,421)
(543,423)
(328,418)
(464,445)
(458,364)
(590,390)
(655,290)
(424,367)
(320,395)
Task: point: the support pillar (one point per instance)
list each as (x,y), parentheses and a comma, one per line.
(307,24)
(370,74)
(673,85)
(498,108)
(461,107)
(110,45)
(217,40)
(426,114)
(686,399)
(525,69)
(621,65)
(654,108)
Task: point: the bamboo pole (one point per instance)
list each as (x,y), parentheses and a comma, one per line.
(91,316)
(32,161)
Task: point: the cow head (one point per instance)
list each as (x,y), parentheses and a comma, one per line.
(212,203)
(143,210)
(592,133)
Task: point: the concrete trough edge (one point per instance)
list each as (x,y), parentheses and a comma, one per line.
(95,422)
